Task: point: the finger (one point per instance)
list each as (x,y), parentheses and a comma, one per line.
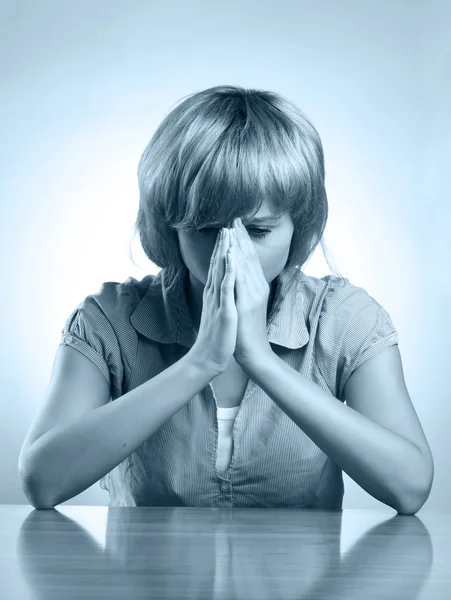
(237,256)
(241,237)
(243,243)
(211,268)
(250,267)
(228,283)
(222,253)
(247,246)
(251,254)
(219,266)
(240,283)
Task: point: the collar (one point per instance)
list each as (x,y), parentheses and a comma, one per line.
(163,314)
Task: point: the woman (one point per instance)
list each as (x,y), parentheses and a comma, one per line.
(221,380)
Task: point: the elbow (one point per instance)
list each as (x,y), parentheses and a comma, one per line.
(34,491)
(408,509)
(410,503)
(414,498)
(40,504)
(36,497)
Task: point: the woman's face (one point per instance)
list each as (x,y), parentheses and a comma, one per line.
(271,238)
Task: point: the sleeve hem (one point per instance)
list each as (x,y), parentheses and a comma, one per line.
(70,339)
(374,349)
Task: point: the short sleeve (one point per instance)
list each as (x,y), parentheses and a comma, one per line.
(354,328)
(369,332)
(89,331)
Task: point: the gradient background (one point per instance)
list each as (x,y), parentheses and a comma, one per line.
(84,85)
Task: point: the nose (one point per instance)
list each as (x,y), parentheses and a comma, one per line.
(231,223)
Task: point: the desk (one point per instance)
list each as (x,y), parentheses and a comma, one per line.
(194,553)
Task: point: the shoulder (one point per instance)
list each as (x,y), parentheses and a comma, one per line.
(99,327)
(114,300)
(336,300)
(106,312)
(111,303)
(351,326)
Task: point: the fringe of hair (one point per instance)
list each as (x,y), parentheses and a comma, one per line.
(216,156)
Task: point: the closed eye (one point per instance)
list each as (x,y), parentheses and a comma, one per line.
(258,233)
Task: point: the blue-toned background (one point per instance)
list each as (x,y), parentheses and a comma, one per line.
(84,84)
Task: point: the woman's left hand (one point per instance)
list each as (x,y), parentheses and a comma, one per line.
(252,293)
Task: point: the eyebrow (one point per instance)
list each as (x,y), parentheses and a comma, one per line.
(270,219)
(265,219)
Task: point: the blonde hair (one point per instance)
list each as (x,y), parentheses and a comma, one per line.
(216,156)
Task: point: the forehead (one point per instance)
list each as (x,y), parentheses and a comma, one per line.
(267,211)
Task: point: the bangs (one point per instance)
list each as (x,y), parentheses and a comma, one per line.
(218,155)
(233,152)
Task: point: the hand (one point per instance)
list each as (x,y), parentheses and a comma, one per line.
(252,293)
(215,342)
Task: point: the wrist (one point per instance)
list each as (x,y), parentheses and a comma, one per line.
(200,362)
(256,360)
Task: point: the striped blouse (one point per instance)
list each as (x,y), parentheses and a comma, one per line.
(324,328)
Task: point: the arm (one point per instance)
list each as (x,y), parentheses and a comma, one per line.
(387,465)
(100,440)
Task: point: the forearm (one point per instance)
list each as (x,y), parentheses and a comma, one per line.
(383,463)
(67,460)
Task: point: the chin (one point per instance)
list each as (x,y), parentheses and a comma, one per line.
(201,278)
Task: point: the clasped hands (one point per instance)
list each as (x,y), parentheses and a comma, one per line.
(252,293)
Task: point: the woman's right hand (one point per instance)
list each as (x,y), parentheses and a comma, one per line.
(216,339)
